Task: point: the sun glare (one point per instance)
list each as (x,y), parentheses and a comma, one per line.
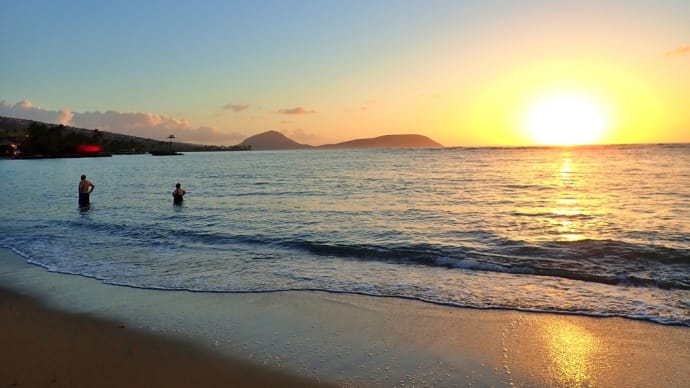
(566,119)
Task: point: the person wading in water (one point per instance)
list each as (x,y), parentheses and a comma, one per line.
(178,194)
(85,188)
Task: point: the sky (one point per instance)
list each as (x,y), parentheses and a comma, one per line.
(464,73)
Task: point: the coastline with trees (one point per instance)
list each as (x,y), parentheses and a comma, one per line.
(21,138)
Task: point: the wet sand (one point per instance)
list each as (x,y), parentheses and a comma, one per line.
(45,347)
(68,330)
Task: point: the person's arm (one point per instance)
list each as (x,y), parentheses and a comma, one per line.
(92,187)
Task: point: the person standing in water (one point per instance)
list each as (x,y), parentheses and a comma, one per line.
(178,194)
(85,188)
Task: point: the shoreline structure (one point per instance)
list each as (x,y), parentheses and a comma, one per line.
(67,329)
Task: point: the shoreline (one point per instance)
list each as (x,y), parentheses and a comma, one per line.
(313,337)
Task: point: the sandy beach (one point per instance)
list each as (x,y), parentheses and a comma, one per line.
(45,347)
(66,330)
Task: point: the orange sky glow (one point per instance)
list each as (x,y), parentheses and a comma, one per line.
(463,74)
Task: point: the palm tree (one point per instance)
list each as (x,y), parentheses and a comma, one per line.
(171,137)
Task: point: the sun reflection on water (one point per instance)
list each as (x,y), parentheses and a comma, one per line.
(572,351)
(568,209)
(566,168)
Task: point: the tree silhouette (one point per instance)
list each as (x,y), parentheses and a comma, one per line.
(171,137)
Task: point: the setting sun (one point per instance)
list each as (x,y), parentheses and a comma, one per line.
(566,118)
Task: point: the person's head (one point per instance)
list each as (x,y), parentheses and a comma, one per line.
(178,185)
(83,177)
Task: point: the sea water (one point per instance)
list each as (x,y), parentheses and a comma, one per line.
(602,231)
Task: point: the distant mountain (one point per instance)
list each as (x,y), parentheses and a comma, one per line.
(55,138)
(272,140)
(388,141)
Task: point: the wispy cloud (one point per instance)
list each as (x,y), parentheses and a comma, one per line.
(364,107)
(296,111)
(236,107)
(678,51)
(142,124)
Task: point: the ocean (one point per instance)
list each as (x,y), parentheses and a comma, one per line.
(598,231)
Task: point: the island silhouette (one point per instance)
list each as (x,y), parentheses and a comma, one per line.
(21,137)
(274,140)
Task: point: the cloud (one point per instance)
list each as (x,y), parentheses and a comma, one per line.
(678,51)
(142,124)
(210,135)
(235,107)
(26,110)
(364,107)
(153,126)
(296,111)
(128,122)
(300,136)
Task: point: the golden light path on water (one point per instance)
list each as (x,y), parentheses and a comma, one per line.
(577,208)
(571,349)
(567,204)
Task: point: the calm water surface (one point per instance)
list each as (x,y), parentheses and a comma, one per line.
(599,231)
